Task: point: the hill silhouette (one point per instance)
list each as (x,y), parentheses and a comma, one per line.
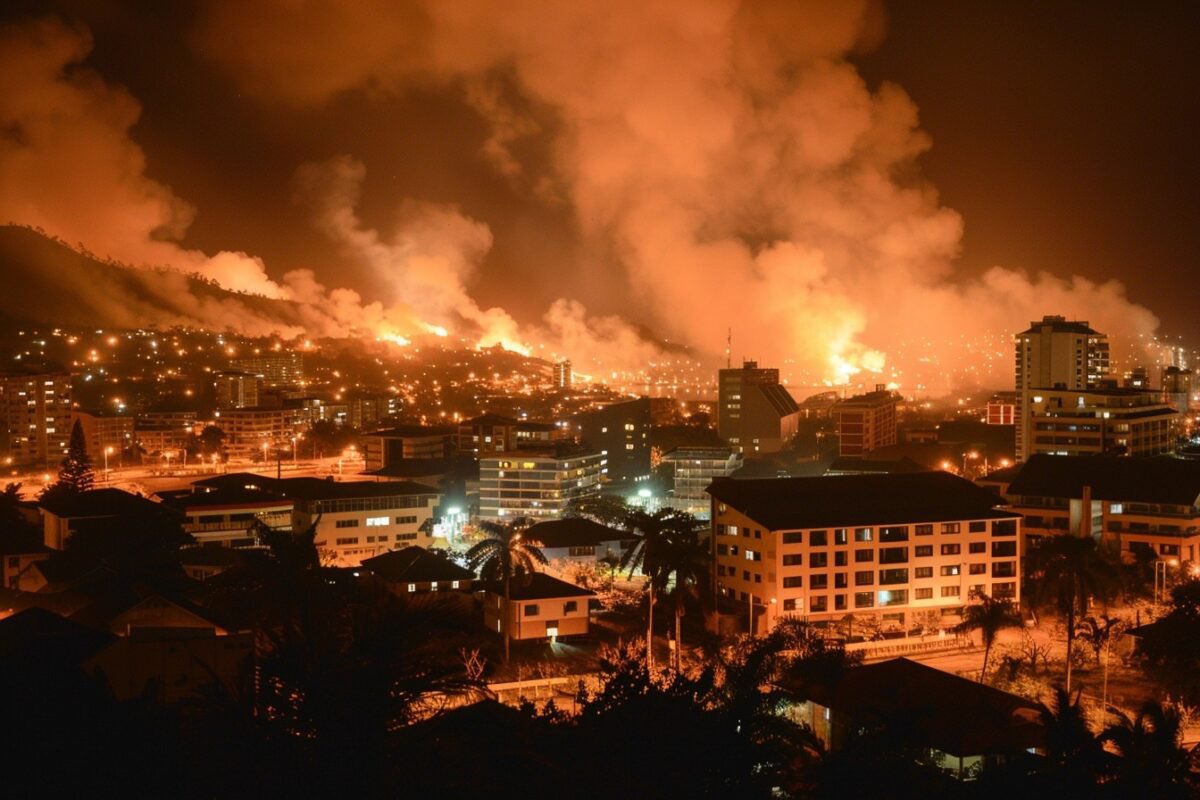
(44,280)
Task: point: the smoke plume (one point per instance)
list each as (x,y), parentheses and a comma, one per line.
(724,159)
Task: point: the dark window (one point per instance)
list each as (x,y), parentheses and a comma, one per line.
(840,580)
(924,530)
(570,607)
(864,578)
(923,550)
(893,555)
(793,560)
(951,549)
(840,558)
(978,526)
(818,581)
(793,537)
(795,582)
(977,547)
(923,594)
(531,610)
(1000,549)
(977,569)
(950,527)
(923,572)
(1004,527)
(818,538)
(839,602)
(839,536)
(889,577)
(818,603)
(863,556)
(894,534)
(1004,569)
(818,559)
(864,599)
(789,604)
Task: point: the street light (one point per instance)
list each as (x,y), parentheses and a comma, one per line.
(971,455)
(107,453)
(1160,583)
(295,463)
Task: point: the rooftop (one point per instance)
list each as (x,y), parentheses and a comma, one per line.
(955,715)
(1161,479)
(416,565)
(574,532)
(411,431)
(543,587)
(102,503)
(1059,325)
(312,488)
(850,500)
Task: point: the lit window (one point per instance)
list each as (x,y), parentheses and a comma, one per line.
(377,522)
(412,587)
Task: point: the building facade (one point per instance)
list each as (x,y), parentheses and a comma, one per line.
(894,546)
(259,432)
(36,408)
(755,413)
(276,369)
(621,432)
(865,423)
(384,448)
(1125,422)
(356,520)
(1001,409)
(695,469)
(106,435)
(1150,505)
(538,484)
(236,389)
(1056,353)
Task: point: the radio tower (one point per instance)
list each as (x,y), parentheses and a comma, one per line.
(729,349)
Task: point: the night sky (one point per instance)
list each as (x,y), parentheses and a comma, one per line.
(1060,133)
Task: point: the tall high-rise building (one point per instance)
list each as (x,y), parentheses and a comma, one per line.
(866,422)
(621,432)
(36,416)
(1056,353)
(1177,388)
(237,389)
(755,413)
(562,375)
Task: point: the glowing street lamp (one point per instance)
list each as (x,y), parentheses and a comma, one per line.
(107,453)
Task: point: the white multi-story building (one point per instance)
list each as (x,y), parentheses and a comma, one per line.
(536,483)
(360,519)
(893,546)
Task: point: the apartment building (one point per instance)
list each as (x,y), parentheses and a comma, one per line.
(895,546)
(236,389)
(251,432)
(492,433)
(275,369)
(1071,422)
(865,423)
(1148,504)
(227,516)
(105,434)
(621,432)
(1056,353)
(35,412)
(695,468)
(538,484)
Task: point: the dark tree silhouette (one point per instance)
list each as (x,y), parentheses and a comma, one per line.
(1153,763)
(75,473)
(648,553)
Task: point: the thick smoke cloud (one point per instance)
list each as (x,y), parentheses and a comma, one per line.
(729,154)
(725,158)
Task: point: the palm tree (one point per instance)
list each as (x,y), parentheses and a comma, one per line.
(648,554)
(989,616)
(1153,764)
(686,560)
(1074,756)
(503,555)
(1071,570)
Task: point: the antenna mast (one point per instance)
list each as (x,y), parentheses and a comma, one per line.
(729,349)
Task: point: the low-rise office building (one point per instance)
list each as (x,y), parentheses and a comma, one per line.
(227,516)
(889,545)
(383,448)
